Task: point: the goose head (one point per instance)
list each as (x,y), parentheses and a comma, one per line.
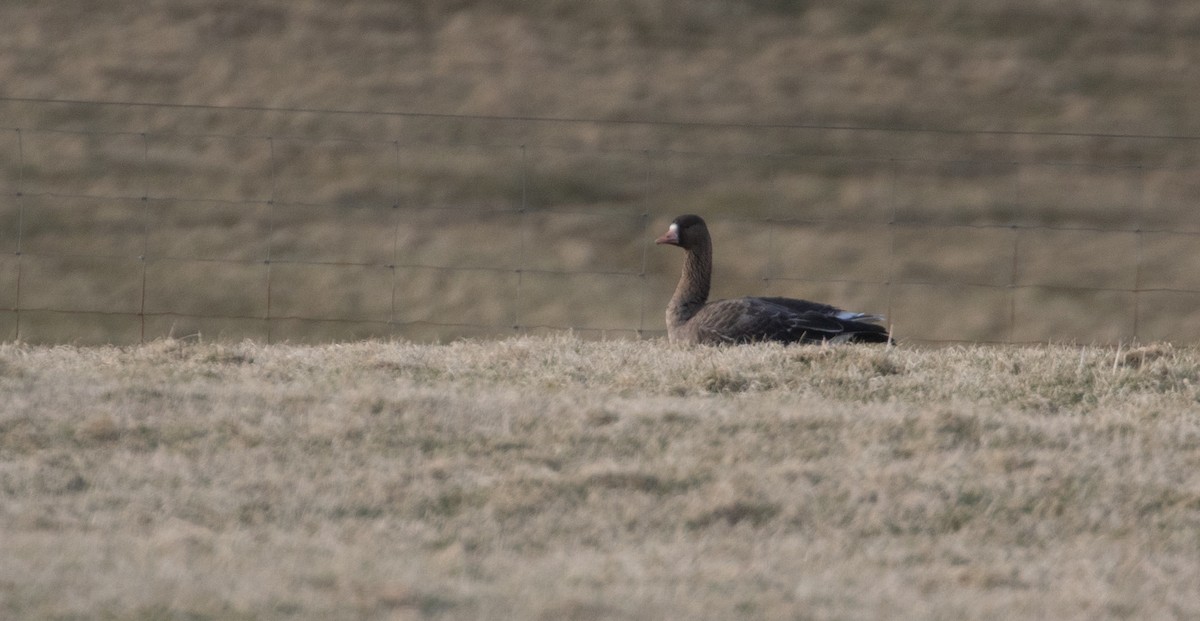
(687,232)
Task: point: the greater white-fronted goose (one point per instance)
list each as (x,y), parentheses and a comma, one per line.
(692,319)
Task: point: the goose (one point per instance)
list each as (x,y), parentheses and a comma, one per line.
(691,318)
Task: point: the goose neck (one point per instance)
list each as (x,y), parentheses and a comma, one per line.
(692,291)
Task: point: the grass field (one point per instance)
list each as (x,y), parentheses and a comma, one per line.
(557,478)
(1002,171)
(141,221)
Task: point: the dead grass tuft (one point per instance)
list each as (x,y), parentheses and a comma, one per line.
(101,428)
(741,511)
(884,364)
(1139,357)
(723,381)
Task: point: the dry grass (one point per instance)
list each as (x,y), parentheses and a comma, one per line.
(462,193)
(563,479)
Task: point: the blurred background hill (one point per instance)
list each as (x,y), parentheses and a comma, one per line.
(304,170)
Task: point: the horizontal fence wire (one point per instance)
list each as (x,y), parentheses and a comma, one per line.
(704,124)
(89,253)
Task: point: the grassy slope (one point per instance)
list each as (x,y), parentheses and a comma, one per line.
(557,478)
(1104,66)
(1109,66)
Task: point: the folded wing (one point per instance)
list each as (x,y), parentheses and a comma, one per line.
(747,320)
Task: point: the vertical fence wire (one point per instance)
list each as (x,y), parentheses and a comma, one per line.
(396,217)
(1013,272)
(20,197)
(1139,253)
(523,233)
(143,257)
(893,224)
(647,234)
(272,207)
(773,210)
(1014,265)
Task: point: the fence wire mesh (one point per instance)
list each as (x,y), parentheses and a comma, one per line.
(125,222)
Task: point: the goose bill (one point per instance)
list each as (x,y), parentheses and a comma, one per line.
(670,237)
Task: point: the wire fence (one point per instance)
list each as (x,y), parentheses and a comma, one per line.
(318,225)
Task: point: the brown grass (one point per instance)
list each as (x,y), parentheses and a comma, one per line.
(227,188)
(557,478)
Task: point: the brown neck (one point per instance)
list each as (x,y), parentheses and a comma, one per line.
(692,291)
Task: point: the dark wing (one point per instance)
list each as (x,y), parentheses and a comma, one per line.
(804,306)
(747,320)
